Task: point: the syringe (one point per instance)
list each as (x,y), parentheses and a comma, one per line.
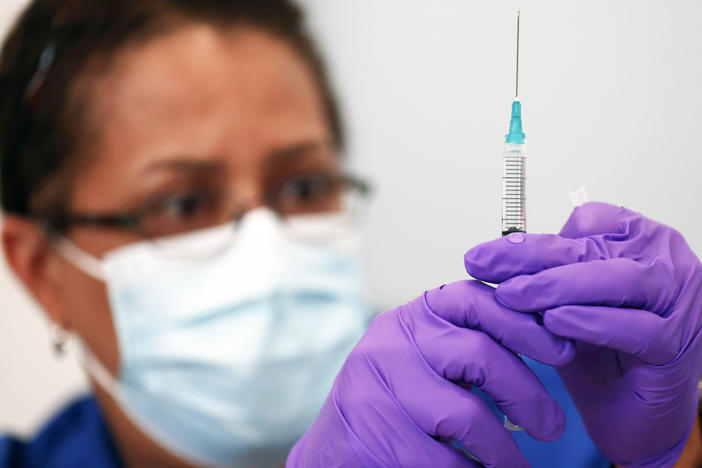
(514,177)
(514,165)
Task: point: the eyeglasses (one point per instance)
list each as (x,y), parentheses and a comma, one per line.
(313,208)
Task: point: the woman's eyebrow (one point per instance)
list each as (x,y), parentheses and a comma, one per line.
(289,155)
(184,164)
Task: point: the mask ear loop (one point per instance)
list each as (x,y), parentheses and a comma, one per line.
(102,376)
(79,258)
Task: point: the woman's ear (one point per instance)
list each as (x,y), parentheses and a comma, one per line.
(36,263)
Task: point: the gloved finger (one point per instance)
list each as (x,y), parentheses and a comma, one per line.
(638,332)
(618,282)
(373,425)
(469,356)
(449,412)
(471,304)
(403,389)
(525,254)
(597,218)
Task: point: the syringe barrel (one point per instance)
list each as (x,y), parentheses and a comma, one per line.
(514,188)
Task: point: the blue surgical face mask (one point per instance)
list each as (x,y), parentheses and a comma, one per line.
(227,361)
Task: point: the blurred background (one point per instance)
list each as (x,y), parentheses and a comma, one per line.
(611,99)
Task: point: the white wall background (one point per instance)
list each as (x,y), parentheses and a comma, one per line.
(611,93)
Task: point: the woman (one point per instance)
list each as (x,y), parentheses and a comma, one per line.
(174,198)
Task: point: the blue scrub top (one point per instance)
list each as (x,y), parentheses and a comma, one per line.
(78,436)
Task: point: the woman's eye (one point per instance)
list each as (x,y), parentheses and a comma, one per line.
(309,194)
(308,188)
(184,212)
(184,206)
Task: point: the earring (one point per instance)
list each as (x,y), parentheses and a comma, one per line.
(59,336)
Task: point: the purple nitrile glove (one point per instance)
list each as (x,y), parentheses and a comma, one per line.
(404,391)
(628,290)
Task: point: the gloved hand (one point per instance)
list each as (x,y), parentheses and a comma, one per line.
(628,290)
(403,391)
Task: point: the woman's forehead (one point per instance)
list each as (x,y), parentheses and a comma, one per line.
(201,90)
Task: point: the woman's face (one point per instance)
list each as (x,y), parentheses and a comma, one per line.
(194,110)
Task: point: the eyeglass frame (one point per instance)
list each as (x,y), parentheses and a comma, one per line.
(133,220)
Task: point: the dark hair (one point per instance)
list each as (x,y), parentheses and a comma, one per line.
(53,43)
